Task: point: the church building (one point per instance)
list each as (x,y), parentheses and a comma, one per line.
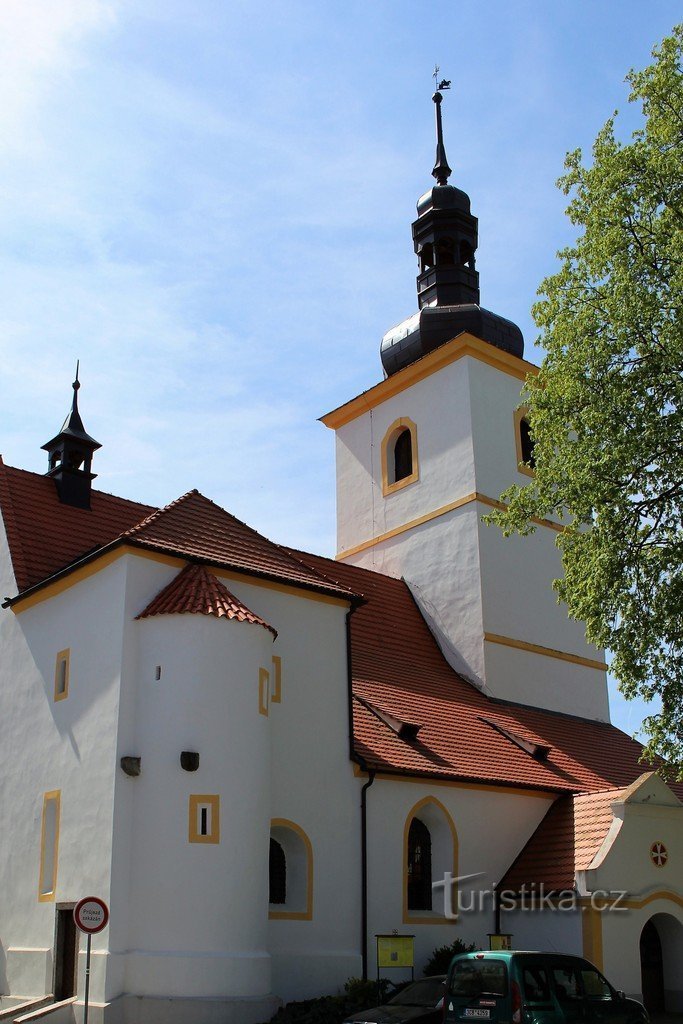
(262,758)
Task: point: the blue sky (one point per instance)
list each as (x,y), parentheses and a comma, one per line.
(209,204)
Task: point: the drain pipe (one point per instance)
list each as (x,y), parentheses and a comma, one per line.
(364,868)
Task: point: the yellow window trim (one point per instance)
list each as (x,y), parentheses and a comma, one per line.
(45,896)
(63,658)
(519,415)
(196,800)
(297,915)
(387,449)
(263,691)
(415,917)
(276,695)
(463,345)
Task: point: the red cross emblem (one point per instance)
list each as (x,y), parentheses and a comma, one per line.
(659,854)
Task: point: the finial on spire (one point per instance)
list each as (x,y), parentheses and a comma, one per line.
(76,384)
(441,171)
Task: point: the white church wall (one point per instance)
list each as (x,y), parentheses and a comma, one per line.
(439,407)
(49,745)
(194,926)
(492,825)
(621,932)
(313,786)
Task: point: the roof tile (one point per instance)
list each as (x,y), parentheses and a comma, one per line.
(197,591)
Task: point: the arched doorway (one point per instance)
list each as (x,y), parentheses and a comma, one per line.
(661,956)
(652,968)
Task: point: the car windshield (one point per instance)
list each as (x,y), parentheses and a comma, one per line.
(420,993)
(478,978)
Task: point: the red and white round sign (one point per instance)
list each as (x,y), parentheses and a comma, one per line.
(91,914)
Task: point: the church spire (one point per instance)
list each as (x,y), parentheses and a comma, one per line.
(70,456)
(445,239)
(441,171)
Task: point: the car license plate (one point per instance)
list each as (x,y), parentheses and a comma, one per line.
(479,1014)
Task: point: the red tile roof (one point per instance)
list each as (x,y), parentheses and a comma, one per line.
(195,527)
(44,535)
(398,667)
(197,591)
(565,842)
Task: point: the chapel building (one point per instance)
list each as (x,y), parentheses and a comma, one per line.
(261,758)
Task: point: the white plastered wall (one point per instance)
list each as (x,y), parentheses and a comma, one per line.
(304,776)
(492,826)
(652,815)
(468,579)
(68,745)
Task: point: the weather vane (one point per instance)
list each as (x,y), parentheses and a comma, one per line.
(445,83)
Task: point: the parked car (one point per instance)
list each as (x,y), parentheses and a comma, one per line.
(418,1002)
(534,988)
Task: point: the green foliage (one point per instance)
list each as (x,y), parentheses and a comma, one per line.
(358,995)
(441,957)
(606,409)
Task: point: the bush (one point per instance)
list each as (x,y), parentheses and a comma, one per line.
(441,957)
(358,995)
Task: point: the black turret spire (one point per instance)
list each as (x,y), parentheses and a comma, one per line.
(445,239)
(70,456)
(442,171)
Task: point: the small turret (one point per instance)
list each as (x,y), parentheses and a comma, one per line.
(70,457)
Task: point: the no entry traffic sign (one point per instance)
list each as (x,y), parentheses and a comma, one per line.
(91,914)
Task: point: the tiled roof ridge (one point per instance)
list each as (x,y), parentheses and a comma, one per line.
(587,794)
(17,556)
(160,512)
(196,590)
(139,528)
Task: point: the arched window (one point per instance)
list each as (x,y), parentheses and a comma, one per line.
(419,866)
(430,854)
(403,456)
(290,872)
(277,870)
(399,455)
(524,443)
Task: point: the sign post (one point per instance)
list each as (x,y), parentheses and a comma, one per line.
(395,951)
(91,915)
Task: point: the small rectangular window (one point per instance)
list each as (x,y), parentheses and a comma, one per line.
(62,675)
(276,695)
(263,691)
(157,673)
(204,826)
(49,846)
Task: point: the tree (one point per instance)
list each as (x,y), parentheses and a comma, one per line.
(606,408)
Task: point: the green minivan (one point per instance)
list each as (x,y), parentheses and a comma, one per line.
(534,988)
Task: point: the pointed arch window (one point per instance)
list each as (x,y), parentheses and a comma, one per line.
(419,866)
(277,870)
(430,855)
(399,456)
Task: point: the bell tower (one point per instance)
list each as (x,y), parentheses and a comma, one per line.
(70,455)
(424,454)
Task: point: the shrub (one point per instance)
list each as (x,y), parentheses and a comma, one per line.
(441,957)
